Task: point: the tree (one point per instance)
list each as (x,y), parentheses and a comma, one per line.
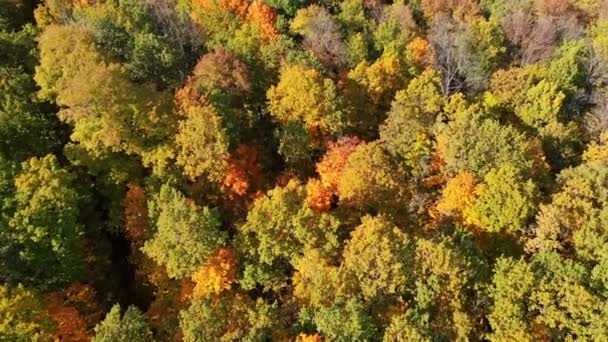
(369,90)
(480,49)
(401,328)
(220,79)
(444,288)
(504,202)
(131,326)
(22,316)
(420,53)
(69,321)
(262,15)
(378,256)
(541,105)
(295,146)
(395,28)
(442,37)
(321,34)
(303,95)
(534,38)
(543,298)
(466,52)
(108,112)
(370,181)
(434,10)
(231,317)
(201,143)
(27,128)
(575,216)
(278,227)
(457,194)
(407,131)
(347,320)
(316,282)
(186,234)
(217,274)
(511,285)
(474,145)
(136,215)
(43,237)
(153,39)
(332,164)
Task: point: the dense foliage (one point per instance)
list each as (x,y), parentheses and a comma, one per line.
(295,170)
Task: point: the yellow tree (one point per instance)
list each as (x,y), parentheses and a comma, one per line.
(217,274)
(304,95)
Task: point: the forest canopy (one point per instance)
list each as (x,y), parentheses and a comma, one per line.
(303,170)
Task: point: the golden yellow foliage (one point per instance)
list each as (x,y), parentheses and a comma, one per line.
(216,275)
(308,338)
(457,194)
(597,152)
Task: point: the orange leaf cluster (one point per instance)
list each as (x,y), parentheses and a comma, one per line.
(319,192)
(83,297)
(334,160)
(309,338)
(217,274)
(243,171)
(264,17)
(420,52)
(188,96)
(458,192)
(136,213)
(70,326)
(318,197)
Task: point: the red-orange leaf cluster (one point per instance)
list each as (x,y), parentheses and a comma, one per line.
(243,171)
(70,325)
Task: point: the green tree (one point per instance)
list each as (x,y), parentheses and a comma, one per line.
(369,89)
(278,227)
(407,131)
(347,320)
(132,326)
(545,298)
(378,256)
(478,145)
(577,217)
(28,129)
(512,283)
(402,329)
(231,317)
(186,234)
(444,288)
(541,105)
(480,46)
(108,112)
(505,202)
(154,40)
(43,233)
